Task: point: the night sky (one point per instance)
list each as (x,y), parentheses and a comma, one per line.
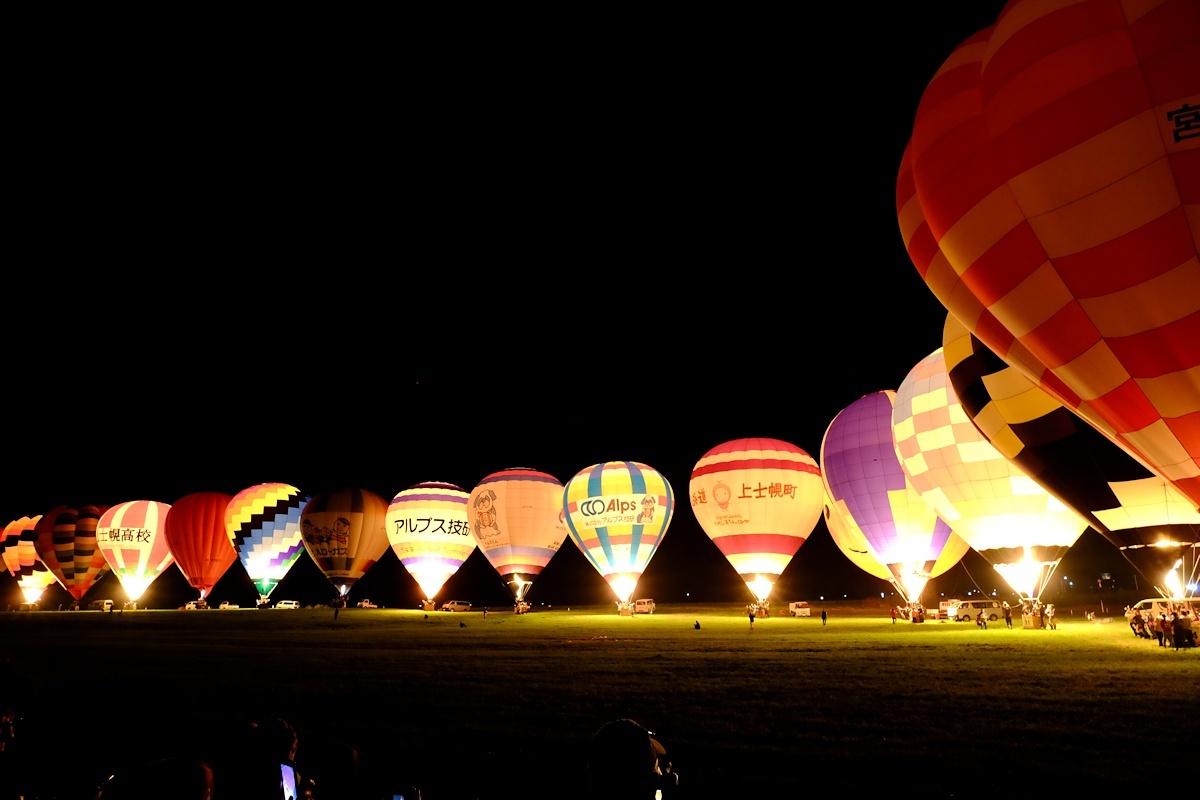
(484,253)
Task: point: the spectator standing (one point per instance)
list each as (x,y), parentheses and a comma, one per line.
(1008,615)
(824,617)
(751,617)
(893,615)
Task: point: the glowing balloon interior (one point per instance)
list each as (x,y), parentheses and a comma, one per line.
(758,500)
(428,529)
(263,523)
(21,558)
(869,491)
(1142,514)
(1016,525)
(130,535)
(517,520)
(617,513)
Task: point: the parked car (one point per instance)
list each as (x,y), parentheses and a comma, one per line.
(193,605)
(101,605)
(456,605)
(643,606)
(288,604)
(365,603)
(227,604)
(799,608)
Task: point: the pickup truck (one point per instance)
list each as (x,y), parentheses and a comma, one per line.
(365,603)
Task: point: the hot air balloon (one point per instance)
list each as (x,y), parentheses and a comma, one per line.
(263,523)
(617,513)
(1055,162)
(1016,525)
(853,543)
(130,535)
(429,532)
(344,533)
(1145,516)
(518,523)
(21,558)
(758,500)
(195,532)
(869,491)
(66,543)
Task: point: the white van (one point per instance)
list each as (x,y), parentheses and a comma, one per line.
(288,604)
(101,605)
(643,606)
(968,610)
(1153,606)
(456,605)
(799,608)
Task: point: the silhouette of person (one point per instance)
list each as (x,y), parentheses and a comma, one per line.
(622,759)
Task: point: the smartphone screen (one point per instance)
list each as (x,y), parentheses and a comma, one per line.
(287,774)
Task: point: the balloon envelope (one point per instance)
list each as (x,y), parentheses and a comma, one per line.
(1142,514)
(130,535)
(21,558)
(66,543)
(263,523)
(1016,525)
(195,532)
(1054,166)
(344,534)
(870,491)
(853,543)
(517,520)
(758,500)
(428,529)
(617,513)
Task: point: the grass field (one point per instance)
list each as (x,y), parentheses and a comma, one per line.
(504,707)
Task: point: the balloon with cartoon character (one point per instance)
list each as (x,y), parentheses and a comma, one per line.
(617,513)
(344,534)
(518,523)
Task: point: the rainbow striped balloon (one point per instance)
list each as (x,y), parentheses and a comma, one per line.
(617,513)
(263,522)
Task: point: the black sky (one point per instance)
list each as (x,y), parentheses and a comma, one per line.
(376,266)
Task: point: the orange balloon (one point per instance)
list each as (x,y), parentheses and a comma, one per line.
(1050,197)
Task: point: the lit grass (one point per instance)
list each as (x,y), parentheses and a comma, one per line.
(504,706)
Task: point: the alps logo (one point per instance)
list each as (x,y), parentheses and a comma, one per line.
(597,505)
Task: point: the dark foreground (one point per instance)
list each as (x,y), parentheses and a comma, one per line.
(465,707)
